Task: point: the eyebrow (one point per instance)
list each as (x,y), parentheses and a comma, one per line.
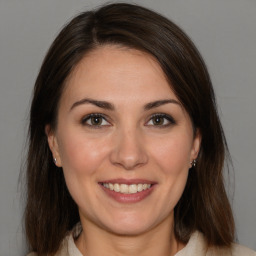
(109,106)
(159,103)
(98,103)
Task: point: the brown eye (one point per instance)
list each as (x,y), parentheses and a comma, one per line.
(158,120)
(95,120)
(162,120)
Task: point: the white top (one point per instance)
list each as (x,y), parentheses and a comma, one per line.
(196,246)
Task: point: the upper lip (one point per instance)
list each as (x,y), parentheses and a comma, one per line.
(128,181)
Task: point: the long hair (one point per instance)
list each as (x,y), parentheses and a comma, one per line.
(50,211)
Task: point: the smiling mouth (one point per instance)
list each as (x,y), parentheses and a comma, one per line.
(125,188)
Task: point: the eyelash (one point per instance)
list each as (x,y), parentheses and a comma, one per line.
(169,119)
(89,117)
(95,115)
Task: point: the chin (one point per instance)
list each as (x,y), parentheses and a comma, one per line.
(128,230)
(130,225)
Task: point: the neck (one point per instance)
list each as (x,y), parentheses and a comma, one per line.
(160,241)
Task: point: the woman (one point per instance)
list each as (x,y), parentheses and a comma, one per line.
(126,148)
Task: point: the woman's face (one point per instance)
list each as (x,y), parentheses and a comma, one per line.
(123,140)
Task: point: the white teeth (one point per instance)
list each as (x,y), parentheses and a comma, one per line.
(116,187)
(140,187)
(144,186)
(124,188)
(133,189)
(127,189)
(106,185)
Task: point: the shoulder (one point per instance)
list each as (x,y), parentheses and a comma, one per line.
(197,246)
(239,250)
(67,247)
(63,250)
(235,250)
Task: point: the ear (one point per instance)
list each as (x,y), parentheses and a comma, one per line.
(196,145)
(53,145)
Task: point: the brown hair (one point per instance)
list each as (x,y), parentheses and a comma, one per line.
(50,211)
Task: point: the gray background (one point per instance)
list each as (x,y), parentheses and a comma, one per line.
(223,30)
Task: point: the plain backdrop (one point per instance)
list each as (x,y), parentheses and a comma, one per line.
(223,30)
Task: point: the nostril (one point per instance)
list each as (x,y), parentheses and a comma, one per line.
(128,151)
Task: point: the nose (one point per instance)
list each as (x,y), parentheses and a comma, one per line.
(129,150)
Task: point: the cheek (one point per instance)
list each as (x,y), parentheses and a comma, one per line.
(81,158)
(81,155)
(173,154)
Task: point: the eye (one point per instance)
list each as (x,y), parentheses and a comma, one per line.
(162,120)
(95,120)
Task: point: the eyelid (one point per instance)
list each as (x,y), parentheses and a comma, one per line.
(91,115)
(168,117)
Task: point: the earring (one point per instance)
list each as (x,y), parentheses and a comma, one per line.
(193,163)
(55,160)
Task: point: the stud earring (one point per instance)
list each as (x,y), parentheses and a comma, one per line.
(193,163)
(55,160)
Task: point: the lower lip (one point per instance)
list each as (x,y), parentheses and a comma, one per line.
(128,198)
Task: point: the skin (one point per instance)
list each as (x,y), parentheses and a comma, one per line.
(128,143)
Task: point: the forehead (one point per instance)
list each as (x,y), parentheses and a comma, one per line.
(115,71)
